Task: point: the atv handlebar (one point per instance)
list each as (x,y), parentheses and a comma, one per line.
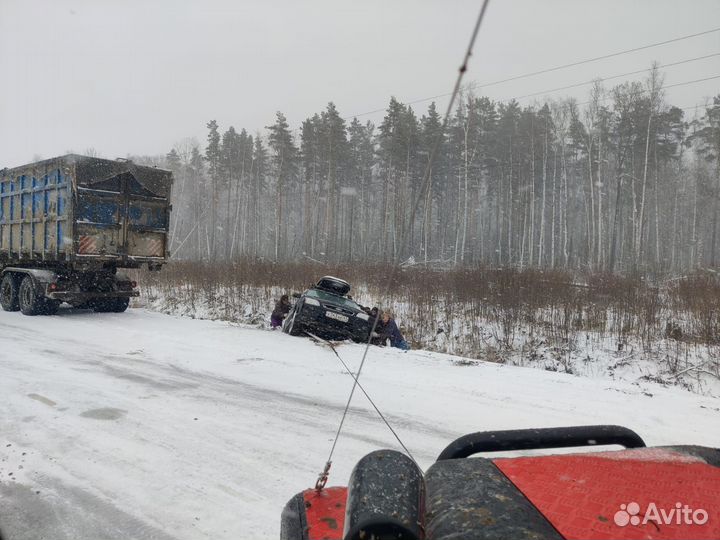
(532,439)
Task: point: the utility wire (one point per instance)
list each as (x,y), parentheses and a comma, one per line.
(693,82)
(661,88)
(603,57)
(556,68)
(601,79)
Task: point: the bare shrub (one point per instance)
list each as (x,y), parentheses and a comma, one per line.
(486,306)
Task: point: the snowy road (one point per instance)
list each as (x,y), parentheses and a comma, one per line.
(143,425)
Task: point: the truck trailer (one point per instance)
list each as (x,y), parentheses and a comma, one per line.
(68,224)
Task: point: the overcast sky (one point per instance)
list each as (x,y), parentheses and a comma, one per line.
(137,76)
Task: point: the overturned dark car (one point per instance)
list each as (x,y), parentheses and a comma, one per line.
(326,311)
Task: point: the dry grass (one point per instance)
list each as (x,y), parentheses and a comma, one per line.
(556,304)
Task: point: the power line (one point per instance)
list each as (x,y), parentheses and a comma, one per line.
(603,57)
(556,68)
(692,82)
(616,76)
(662,87)
(684,83)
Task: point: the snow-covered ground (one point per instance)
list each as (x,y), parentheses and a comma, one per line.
(457,328)
(143,425)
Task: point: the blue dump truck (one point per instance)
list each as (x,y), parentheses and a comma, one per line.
(68,224)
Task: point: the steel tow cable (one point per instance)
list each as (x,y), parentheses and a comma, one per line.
(360,386)
(323,476)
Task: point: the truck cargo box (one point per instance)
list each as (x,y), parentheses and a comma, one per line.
(84,211)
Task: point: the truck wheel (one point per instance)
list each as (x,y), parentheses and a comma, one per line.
(9,293)
(30,302)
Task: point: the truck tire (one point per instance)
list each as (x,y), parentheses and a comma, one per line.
(9,293)
(30,302)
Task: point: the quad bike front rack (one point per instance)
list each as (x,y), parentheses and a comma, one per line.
(540,439)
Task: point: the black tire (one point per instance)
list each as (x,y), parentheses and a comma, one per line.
(30,302)
(9,293)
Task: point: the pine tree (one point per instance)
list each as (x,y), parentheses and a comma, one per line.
(361,157)
(284,163)
(431,131)
(706,141)
(392,152)
(259,172)
(173,161)
(202,203)
(229,165)
(334,151)
(212,155)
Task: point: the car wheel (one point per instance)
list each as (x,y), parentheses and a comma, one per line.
(30,302)
(9,293)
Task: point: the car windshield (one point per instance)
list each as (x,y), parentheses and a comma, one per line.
(329,297)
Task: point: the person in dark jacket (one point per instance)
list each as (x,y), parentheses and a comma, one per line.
(390,330)
(282,308)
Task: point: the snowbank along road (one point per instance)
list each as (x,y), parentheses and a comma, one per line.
(143,425)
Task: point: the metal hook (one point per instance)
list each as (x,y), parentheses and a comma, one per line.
(323,477)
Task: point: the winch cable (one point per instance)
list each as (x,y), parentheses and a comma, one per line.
(425,184)
(323,476)
(360,386)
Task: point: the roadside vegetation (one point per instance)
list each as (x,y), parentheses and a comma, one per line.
(665,330)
